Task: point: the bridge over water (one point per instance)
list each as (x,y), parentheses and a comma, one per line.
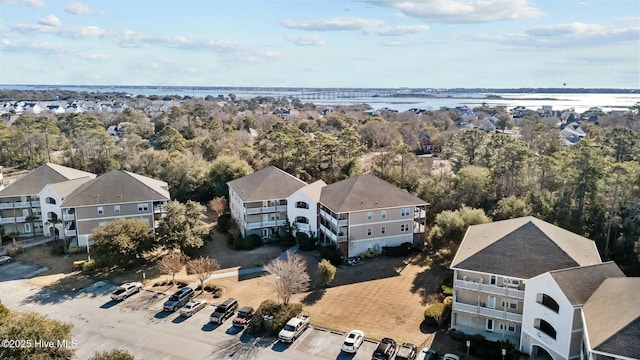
(331,94)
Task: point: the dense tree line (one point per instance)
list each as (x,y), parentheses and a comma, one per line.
(198,145)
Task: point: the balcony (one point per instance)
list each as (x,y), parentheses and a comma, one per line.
(17,205)
(21,205)
(344,222)
(328,233)
(265,209)
(487,312)
(70,232)
(68,217)
(489,289)
(12,220)
(158,209)
(265,224)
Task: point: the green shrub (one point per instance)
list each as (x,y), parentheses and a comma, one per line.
(114,354)
(13,250)
(331,253)
(434,314)
(447,290)
(287,240)
(251,242)
(88,266)
(281,313)
(448,301)
(224,222)
(400,250)
(305,241)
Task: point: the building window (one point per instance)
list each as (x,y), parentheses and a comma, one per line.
(302,205)
(370,215)
(511,282)
(492,280)
(302,220)
(510,304)
(369,231)
(545,327)
(383,230)
(100,210)
(50,200)
(404,212)
(404,227)
(116,209)
(383,214)
(143,207)
(548,302)
(27,228)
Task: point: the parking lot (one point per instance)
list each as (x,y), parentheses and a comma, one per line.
(18,270)
(140,326)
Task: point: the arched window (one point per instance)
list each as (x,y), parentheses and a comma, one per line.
(548,302)
(50,200)
(302,220)
(545,327)
(302,205)
(53,217)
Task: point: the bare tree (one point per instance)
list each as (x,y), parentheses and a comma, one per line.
(203,267)
(172,263)
(291,276)
(218,204)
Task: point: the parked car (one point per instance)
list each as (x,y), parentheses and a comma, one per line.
(427,354)
(385,350)
(178,299)
(192,307)
(244,315)
(125,290)
(352,341)
(5,259)
(451,357)
(224,311)
(407,351)
(294,327)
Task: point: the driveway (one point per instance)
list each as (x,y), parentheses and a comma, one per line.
(18,270)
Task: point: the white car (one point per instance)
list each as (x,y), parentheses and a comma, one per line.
(352,341)
(125,290)
(192,307)
(451,357)
(5,259)
(427,354)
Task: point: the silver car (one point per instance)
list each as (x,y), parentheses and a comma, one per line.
(5,259)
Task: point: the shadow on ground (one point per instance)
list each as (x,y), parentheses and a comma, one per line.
(345,356)
(246,348)
(427,283)
(313,297)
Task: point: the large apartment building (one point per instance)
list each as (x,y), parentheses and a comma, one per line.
(357,214)
(527,281)
(116,194)
(30,205)
(364,213)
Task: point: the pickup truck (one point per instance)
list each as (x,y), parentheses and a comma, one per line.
(244,315)
(294,328)
(125,290)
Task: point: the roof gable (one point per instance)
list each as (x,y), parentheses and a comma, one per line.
(116,187)
(364,192)
(33,182)
(523,248)
(612,317)
(266,184)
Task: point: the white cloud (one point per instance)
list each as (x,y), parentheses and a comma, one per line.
(50,20)
(95,56)
(134,39)
(397,30)
(69,32)
(77,8)
(39,4)
(44,48)
(333,24)
(463,11)
(313,40)
(32,28)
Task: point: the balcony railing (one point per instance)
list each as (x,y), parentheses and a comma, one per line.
(70,232)
(488,312)
(343,238)
(265,209)
(488,288)
(12,220)
(18,205)
(328,233)
(264,224)
(343,222)
(68,217)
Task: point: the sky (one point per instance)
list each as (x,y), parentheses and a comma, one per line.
(322,43)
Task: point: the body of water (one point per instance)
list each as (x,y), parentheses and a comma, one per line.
(579,102)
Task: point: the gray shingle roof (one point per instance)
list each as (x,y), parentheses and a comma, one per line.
(269,183)
(117,187)
(365,192)
(579,283)
(612,317)
(67,187)
(33,182)
(523,248)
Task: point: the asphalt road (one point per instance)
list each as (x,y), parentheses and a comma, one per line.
(139,326)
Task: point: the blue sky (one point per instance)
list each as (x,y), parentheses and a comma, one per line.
(322,43)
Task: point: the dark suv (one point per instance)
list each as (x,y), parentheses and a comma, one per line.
(178,299)
(224,311)
(385,350)
(407,352)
